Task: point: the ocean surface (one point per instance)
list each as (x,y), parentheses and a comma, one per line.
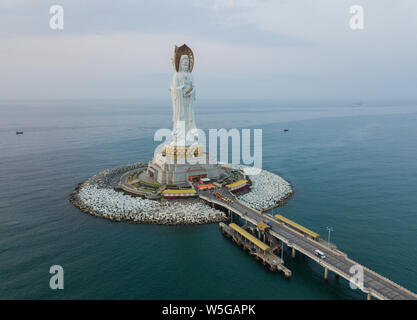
(353,167)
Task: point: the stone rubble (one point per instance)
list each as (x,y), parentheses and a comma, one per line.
(110,204)
(268,190)
(97,197)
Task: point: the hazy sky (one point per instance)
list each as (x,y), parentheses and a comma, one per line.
(277,49)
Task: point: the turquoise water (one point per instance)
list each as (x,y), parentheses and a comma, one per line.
(352,168)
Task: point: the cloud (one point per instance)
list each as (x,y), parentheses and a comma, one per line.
(187,17)
(217,5)
(282,48)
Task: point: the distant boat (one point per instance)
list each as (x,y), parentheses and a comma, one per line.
(285,130)
(19,132)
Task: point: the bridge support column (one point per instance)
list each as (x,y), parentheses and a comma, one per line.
(326,273)
(369,296)
(293,253)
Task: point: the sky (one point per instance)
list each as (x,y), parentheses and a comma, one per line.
(247,49)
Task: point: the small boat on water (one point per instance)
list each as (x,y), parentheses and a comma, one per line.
(285,130)
(19,132)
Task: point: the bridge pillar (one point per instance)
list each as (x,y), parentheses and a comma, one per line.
(293,253)
(369,296)
(326,273)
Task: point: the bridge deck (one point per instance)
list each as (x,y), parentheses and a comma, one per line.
(336,261)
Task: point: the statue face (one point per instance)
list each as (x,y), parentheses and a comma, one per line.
(184,63)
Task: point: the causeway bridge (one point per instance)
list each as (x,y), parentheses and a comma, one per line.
(374,285)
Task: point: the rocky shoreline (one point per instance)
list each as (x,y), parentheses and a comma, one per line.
(268,190)
(97,196)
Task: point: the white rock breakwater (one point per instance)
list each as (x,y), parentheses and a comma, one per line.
(268,190)
(116,206)
(97,197)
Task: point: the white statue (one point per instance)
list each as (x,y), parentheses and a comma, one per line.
(183,98)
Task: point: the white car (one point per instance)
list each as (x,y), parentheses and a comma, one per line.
(320,254)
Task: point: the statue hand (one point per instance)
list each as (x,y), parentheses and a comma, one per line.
(189,91)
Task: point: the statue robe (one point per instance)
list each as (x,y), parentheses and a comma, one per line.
(183,109)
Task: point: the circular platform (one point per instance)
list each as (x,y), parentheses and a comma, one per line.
(100,196)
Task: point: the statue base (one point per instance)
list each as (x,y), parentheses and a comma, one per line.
(176,165)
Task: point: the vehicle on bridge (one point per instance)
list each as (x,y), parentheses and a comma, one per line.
(218,195)
(221,197)
(320,254)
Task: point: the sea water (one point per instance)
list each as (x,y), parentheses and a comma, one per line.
(353,167)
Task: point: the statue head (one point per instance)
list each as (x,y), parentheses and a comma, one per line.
(184,63)
(180,54)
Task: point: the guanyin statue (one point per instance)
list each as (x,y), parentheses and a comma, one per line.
(184,158)
(183,98)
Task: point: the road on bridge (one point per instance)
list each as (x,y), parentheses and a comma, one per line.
(335,260)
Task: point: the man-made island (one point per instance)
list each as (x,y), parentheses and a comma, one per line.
(167,190)
(103,196)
